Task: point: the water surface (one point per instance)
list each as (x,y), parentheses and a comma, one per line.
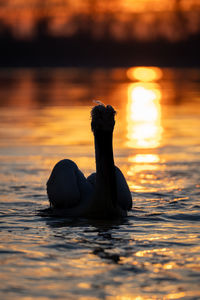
(154,253)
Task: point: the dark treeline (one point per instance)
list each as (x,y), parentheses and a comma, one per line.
(83,50)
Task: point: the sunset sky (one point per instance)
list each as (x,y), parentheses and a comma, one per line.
(144,19)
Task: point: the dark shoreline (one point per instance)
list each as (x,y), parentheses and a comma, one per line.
(84,51)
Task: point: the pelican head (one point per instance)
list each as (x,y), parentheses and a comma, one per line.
(103,118)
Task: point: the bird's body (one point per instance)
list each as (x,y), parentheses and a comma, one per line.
(104,194)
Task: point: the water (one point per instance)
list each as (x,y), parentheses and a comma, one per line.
(154,252)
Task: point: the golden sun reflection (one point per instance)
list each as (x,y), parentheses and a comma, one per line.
(144,115)
(144,73)
(144,158)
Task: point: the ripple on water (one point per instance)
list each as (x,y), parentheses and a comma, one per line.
(151,254)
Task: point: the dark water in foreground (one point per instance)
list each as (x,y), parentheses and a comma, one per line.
(152,254)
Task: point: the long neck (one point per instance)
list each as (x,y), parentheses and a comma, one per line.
(105,170)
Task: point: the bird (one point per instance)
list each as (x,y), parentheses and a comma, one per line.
(102,195)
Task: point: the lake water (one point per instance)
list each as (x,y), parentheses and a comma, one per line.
(154,253)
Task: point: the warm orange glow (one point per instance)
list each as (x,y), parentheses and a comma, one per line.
(141,107)
(144,73)
(125,297)
(147,253)
(84,285)
(144,158)
(65,17)
(176,295)
(144,116)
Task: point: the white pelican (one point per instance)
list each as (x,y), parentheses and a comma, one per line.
(104,194)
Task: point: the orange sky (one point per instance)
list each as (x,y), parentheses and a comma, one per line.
(125,5)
